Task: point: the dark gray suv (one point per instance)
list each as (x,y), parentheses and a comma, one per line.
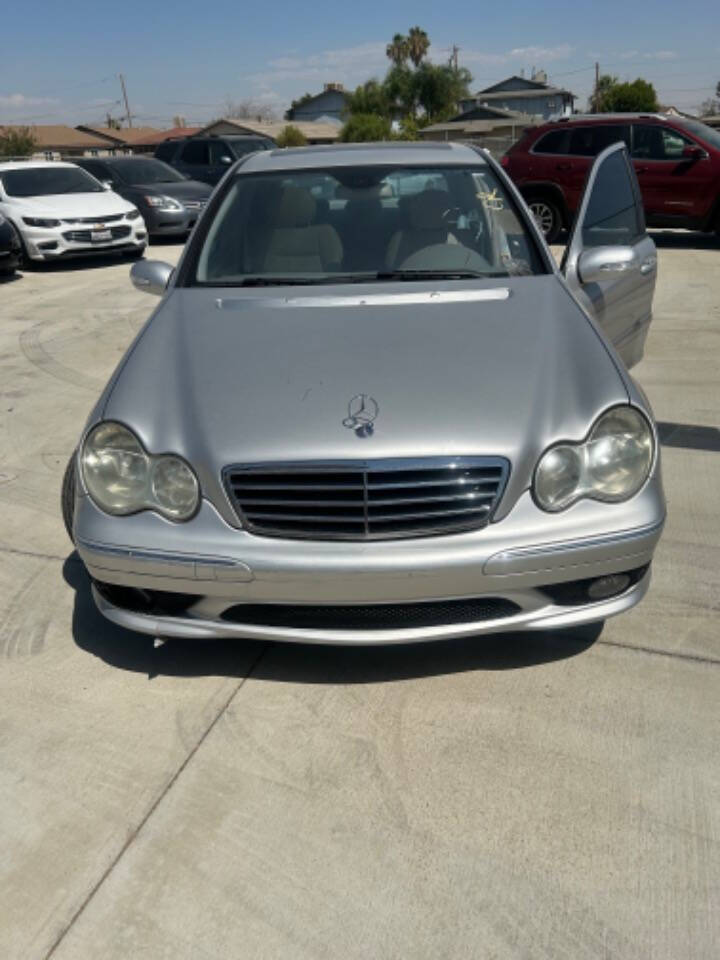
(209,158)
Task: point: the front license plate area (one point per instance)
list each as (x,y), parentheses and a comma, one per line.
(97,236)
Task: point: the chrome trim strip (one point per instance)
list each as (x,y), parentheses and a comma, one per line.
(503,561)
(366,300)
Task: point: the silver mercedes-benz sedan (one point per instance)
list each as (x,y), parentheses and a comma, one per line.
(369,408)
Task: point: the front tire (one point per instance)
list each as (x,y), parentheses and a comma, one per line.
(67,496)
(548,216)
(23,261)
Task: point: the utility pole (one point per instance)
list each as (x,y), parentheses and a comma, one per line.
(597,85)
(128,115)
(454,57)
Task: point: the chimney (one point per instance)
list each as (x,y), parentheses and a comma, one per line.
(333,86)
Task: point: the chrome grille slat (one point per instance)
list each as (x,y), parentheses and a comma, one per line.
(367,499)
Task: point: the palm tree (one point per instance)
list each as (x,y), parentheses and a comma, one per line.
(418,44)
(398,51)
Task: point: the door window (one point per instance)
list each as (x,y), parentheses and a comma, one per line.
(592,140)
(653,142)
(165,152)
(613,216)
(554,142)
(196,152)
(218,150)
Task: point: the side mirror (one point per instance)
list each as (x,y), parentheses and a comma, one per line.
(151,276)
(693,153)
(600,263)
(226,160)
(106,184)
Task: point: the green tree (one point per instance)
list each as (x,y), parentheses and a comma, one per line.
(439,88)
(365,127)
(615,97)
(418,44)
(17,141)
(370,97)
(605,83)
(290,136)
(397,50)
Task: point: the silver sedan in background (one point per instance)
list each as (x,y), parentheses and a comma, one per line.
(369,408)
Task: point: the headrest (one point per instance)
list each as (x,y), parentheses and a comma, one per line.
(295,208)
(425,210)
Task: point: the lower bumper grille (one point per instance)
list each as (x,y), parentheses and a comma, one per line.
(194,204)
(395,616)
(367,500)
(84,236)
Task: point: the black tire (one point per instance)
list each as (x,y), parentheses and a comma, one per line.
(23,260)
(547,214)
(67,497)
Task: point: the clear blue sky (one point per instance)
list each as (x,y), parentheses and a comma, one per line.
(60,60)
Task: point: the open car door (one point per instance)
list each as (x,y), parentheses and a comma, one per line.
(610,263)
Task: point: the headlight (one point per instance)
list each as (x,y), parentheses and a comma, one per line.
(133,215)
(163,203)
(611,465)
(41,222)
(122,478)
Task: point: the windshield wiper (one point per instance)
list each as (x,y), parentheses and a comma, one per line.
(459,274)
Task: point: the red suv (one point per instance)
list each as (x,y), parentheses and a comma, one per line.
(677,162)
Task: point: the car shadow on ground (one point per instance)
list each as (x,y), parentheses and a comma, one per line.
(309,663)
(71,264)
(684,240)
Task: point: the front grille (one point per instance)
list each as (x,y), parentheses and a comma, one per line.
(113,218)
(195,204)
(84,236)
(367,500)
(386,616)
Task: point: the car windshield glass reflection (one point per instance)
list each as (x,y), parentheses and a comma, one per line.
(365,223)
(145,171)
(48,181)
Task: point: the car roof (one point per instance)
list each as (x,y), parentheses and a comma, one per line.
(362,154)
(604,117)
(33,164)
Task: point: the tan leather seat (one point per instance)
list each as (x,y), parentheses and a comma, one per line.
(426,227)
(294,243)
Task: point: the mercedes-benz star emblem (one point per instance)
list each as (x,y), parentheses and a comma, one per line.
(362,411)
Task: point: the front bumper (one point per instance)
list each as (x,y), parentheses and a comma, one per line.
(220,567)
(169,222)
(53,243)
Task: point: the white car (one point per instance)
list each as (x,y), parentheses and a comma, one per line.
(58,210)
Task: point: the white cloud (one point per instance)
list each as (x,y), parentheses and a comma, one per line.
(16,101)
(660,55)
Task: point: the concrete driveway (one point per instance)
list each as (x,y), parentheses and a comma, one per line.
(517,797)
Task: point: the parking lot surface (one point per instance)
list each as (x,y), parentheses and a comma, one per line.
(543,796)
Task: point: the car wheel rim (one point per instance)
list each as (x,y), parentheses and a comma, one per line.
(543,216)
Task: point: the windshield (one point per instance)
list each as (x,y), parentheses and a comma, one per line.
(47,181)
(702,130)
(145,171)
(350,224)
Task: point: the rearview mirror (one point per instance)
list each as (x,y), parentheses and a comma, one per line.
(151,276)
(599,263)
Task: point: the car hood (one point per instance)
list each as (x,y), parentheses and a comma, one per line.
(178,189)
(233,376)
(65,206)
